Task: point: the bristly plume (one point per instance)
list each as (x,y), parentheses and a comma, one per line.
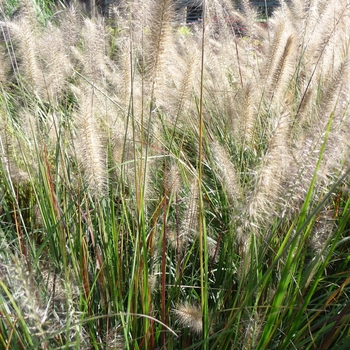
(189,223)
(114,339)
(189,316)
(25,39)
(311,131)
(299,8)
(185,85)
(94,35)
(173,181)
(88,144)
(10,152)
(160,15)
(253,329)
(279,63)
(42,300)
(26,298)
(282,72)
(324,227)
(55,64)
(274,168)
(121,148)
(331,90)
(324,31)
(70,25)
(5,66)
(227,173)
(251,17)
(246,114)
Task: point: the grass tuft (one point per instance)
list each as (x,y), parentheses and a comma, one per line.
(166,185)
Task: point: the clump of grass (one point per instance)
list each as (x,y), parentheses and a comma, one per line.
(164,186)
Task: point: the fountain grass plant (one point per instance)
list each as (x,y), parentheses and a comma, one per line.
(163,188)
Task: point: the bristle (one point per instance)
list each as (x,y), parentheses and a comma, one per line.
(331,89)
(323,229)
(89,148)
(243,117)
(227,173)
(56,65)
(310,141)
(4,67)
(282,71)
(251,16)
(189,222)
(279,63)
(189,316)
(212,246)
(149,166)
(299,8)
(114,339)
(160,16)
(70,25)
(275,164)
(185,85)
(173,239)
(94,37)
(25,37)
(305,107)
(173,180)
(32,300)
(253,329)
(25,296)
(10,160)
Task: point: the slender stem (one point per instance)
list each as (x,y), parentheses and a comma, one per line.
(163,298)
(202,229)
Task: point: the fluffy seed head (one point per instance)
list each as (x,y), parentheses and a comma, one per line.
(189,316)
(189,224)
(89,146)
(274,168)
(227,173)
(174,179)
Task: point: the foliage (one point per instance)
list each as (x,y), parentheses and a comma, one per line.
(173,187)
